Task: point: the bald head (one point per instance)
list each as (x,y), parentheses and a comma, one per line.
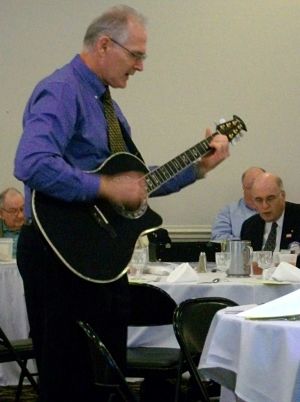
(268,196)
(248,178)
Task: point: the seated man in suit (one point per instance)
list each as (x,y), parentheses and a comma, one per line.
(11,215)
(270,202)
(228,223)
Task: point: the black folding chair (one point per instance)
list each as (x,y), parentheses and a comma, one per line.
(192,319)
(19,351)
(107,375)
(152,306)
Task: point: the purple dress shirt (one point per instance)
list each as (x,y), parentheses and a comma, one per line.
(65,136)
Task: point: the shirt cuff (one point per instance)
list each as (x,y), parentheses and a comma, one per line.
(199,172)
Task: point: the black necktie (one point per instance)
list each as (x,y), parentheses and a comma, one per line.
(271,240)
(116,140)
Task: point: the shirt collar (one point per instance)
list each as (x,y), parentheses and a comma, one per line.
(279,223)
(6,229)
(88,75)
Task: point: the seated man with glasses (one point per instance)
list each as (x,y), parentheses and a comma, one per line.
(270,202)
(11,215)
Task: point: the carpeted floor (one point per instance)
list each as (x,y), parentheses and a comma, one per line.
(163,392)
(7,394)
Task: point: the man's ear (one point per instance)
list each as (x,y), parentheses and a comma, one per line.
(102,44)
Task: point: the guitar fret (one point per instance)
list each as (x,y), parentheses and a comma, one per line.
(157,177)
(150,183)
(165,172)
(161,175)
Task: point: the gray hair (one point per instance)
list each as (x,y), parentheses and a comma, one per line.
(114,23)
(11,190)
(279,183)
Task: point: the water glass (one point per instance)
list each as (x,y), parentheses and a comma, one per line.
(139,261)
(223,259)
(265,259)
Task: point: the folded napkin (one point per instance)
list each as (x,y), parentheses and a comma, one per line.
(286,272)
(183,273)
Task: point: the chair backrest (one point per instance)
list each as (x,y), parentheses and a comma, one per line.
(150,305)
(192,319)
(191,322)
(105,370)
(6,350)
(17,350)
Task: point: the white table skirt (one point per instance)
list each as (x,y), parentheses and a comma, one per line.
(13,315)
(262,356)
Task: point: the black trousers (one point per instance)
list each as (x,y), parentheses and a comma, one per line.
(56,298)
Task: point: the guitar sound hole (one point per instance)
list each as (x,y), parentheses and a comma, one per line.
(131,214)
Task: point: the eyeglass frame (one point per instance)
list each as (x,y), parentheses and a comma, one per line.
(13,211)
(268,200)
(136,55)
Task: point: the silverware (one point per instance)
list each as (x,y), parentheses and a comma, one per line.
(215,280)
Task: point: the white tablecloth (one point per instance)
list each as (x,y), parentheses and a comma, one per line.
(13,316)
(262,356)
(240,290)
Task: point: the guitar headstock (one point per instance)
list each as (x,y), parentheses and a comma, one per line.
(232,128)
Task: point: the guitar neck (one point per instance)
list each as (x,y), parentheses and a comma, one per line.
(162,174)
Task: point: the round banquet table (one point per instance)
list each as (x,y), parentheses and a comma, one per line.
(258,359)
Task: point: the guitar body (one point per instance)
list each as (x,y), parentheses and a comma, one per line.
(97,250)
(96,240)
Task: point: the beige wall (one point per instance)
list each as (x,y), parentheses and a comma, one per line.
(207,60)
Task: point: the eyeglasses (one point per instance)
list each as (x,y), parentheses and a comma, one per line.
(13,211)
(268,200)
(136,55)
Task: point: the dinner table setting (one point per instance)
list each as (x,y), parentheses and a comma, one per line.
(182,280)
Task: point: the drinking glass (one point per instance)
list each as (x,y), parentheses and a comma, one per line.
(138,261)
(223,259)
(265,259)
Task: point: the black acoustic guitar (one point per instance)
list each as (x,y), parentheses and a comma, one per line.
(96,240)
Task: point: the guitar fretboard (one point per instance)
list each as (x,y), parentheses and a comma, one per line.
(162,174)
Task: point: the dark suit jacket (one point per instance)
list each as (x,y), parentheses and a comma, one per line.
(253,228)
